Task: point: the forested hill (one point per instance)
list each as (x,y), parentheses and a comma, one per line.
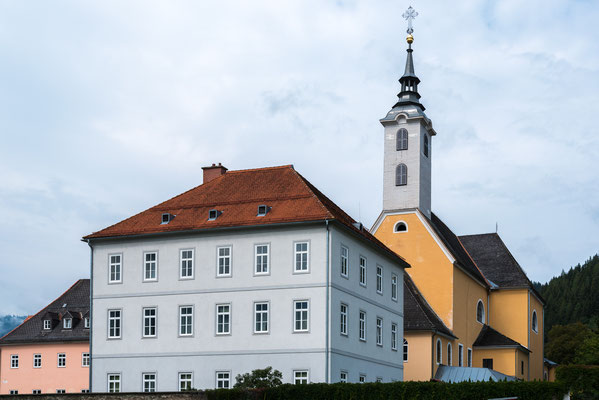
(573,296)
(9,322)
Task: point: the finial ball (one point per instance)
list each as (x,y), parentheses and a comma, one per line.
(410,39)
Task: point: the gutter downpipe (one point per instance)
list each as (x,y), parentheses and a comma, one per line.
(328,307)
(91,313)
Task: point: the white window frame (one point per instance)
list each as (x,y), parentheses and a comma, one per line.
(363,270)
(60,391)
(67,323)
(226,319)
(186,334)
(362,378)
(147,322)
(47,324)
(149,378)
(343,311)
(12,391)
(114,382)
(115,318)
(343,376)
(224,257)
(148,264)
(460,355)
(534,321)
(118,268)
(86,322)
(61,357)
(261,313)
(379,279)
(484,313)
(469,357)
(362,325)
(379,379)
(449,354)
(85,360)
(265,270)
(190,380)
(395,230)
(301,311)
(14,361)
(344,257)
(393,336)
(37,359)
(186,260)
(406,350)
(223,379)
(36,391)
(301,253)
(439,352)
(394,287)
(299,379)
(379,331)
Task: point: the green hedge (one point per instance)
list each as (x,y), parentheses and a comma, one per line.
(399,391)
(582,380)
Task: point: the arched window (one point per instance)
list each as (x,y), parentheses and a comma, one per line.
(405,350)
(439,355)
(401,175)
(401,227)
(535,322)
(425,146)
(449,355)
(480,312)
(402,139)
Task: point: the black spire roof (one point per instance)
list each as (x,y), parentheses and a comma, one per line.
(409,82)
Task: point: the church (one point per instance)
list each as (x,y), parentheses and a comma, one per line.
(469,308)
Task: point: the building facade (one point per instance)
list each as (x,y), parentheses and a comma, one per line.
(252,269)
(485,311)
(49,351)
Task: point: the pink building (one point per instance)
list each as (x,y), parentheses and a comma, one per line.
(49,351)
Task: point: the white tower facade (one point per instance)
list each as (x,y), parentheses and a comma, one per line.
(408,148)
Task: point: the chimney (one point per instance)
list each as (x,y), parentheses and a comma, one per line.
(213,172)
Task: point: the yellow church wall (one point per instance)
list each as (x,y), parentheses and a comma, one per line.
(509,314)
(536,340)
(430,269)
(420,356)
(467,293)
(522,365)
(504,360)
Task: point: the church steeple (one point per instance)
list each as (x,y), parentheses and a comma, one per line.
(408,143)
(409,81)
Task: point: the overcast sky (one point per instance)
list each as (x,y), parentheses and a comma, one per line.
(110,107)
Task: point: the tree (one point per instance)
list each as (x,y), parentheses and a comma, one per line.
(259,378)
(565,340)
(588,351)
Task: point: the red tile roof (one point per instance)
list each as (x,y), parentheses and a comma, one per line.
(237,194)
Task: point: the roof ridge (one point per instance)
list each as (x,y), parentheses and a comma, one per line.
(237,171)
(40,311)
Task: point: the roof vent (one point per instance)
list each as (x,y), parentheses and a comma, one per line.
(166,218)
(358,225)
(213,214)
(262,210)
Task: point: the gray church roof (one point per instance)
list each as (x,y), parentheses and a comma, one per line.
(74,303)
(465,374)
(418,314)
(489,337)
(496,262)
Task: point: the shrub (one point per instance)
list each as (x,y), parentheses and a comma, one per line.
(582,380)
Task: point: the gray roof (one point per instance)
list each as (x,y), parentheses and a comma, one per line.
(465,374)
(489,337)
(418,314)
(74,301)
(458,251)
(495,261)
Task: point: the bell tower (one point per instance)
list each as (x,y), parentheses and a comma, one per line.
(408,143)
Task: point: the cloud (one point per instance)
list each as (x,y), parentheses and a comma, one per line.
(109,108)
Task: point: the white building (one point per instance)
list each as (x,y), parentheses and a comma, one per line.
(253,268)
